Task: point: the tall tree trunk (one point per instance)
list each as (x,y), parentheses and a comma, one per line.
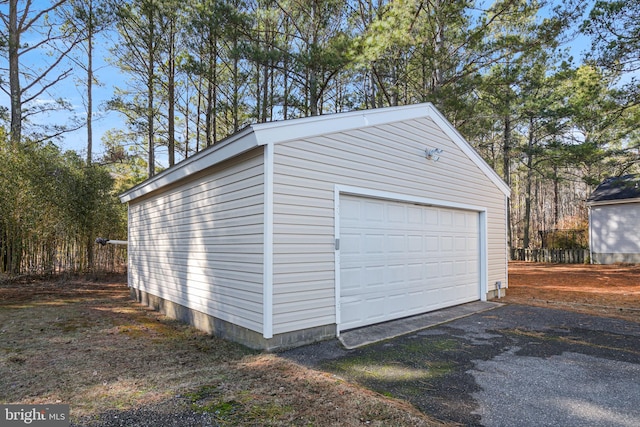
(395,87)
(265,93)
(90,85)
(285,89)
(150,93)
(527,194)
(556,195)
(171,93)
(14,73)
(506,152)
(258,82)
(186,123)
(212,81)
(313,93)
(208,117)
(236,87)
(314,66)
(198,113)
(438,49)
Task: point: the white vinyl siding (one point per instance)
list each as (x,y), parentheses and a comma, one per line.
(614,230)
(199,243)
(388,158)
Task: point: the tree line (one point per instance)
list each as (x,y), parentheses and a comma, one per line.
(194,72)
(52,208)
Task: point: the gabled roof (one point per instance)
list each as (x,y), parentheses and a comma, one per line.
(281,131)
(617,189)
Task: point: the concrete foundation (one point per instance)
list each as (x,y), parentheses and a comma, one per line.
(232,332)
(615,258)
(229,331)
(493,294)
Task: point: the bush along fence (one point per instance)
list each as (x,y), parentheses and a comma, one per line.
(62,257)
(559,256)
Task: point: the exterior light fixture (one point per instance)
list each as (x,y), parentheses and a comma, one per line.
(433,153)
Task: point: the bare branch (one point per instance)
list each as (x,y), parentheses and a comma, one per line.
(25,25)
(48,70)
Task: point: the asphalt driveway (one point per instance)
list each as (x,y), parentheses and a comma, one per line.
(510,366)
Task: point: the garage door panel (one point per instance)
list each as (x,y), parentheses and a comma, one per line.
(350,244)
(415,215)
(432,270)
(374,277)
(460,268)
(373,309)
(432,243)
(446,218)
(396,214)
(416,299)
(349,209)
(446,269)
(373,243)
(460,243)
(350,281)
(373,212)
(399,259)
(414,244)
(415,272)
(446,244)
(351,310)
(430,216)
(460,219)
(396,243)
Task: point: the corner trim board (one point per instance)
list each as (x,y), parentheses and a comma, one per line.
(267,326)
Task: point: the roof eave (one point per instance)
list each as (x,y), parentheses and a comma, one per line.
(273,132)
(462,143)
(288,130)
(233,146)
(613,202)
(282,131)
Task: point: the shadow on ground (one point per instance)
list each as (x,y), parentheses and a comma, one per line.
(514,365)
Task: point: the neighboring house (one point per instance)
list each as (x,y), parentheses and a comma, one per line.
(290,232)
(614,221)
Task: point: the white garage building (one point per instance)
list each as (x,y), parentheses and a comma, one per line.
(614,217)
(291,232)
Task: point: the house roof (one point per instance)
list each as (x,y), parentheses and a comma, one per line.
(617,189)
(287,130)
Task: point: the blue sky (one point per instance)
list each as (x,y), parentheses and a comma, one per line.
(109,76)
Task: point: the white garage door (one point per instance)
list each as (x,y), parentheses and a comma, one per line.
(400,259)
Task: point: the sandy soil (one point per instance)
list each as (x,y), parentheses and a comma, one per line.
(604,290)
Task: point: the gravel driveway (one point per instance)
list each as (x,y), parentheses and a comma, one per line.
(513,365)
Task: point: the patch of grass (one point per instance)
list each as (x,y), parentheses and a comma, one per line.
(406,369)
(203,392)
(209,399)
(88,345)
(219,409)
(541,336)
(392,372)
(409,353)
(439,368)
(269,411)
(430,345)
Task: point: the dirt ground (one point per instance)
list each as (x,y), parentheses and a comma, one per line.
(115,362)
(603,290)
